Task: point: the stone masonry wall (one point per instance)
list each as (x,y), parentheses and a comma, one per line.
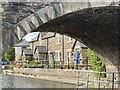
(53,72)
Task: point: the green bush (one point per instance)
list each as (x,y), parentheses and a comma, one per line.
(30,64)
(53,64)
(29,58)
(33,63)
(20,58)
(10,55)
(39,62)
(97,64)
(10,67)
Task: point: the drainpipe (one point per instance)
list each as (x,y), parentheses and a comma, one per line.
(47,51)
(32,50)
(74,45)
(62,62)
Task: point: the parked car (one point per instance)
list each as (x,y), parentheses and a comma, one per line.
(3,62)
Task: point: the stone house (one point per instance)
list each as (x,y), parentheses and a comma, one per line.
(19,48)
(62,46)
(41,54)
(27,55)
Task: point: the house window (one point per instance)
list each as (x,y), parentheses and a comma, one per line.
(69,39)
(36,56)
(59,40)
(58,56)
(69,55)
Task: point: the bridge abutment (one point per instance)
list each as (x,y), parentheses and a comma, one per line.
(114,75)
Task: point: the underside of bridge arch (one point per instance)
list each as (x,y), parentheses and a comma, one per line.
(96,27)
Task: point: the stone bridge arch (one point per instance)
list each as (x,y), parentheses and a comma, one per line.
(98,28)
(65,18)
(53,10)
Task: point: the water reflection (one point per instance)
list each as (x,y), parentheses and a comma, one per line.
(23,82)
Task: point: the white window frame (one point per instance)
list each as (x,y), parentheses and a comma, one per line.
(69,50)
(58,55)
(59,40)
(69,39)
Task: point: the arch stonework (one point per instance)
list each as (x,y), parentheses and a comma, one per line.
(67,20)
(98,28)
(54,10)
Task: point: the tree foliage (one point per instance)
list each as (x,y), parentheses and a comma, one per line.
(96,62)
(10,55)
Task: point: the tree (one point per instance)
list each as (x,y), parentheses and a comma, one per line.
(10,55)
(96,62)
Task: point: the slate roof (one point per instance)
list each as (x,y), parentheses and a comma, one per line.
(41,49)
(49,35)
(23,43)
(43,34)
(83,46)
(38,36)
(27,52)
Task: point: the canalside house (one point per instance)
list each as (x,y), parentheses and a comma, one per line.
(34,42)
(41,54)
(27,55)
(19,48)
(60,48)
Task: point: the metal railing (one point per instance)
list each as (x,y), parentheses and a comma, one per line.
(94,79)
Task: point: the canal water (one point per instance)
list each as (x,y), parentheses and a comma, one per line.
(7,81)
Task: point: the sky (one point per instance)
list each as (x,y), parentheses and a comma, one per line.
(30,36)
